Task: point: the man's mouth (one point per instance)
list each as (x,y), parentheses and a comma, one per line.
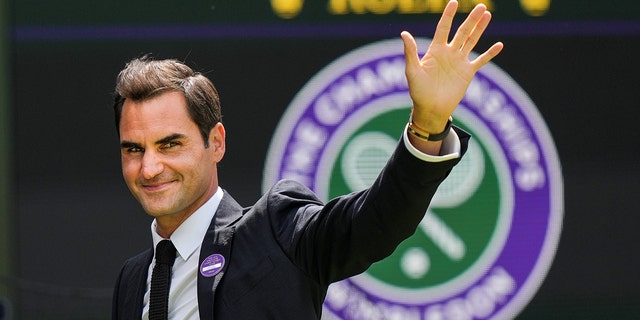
(156,186)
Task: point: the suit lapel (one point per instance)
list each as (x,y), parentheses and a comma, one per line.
(216,248)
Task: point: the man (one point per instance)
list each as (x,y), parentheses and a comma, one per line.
(274,260)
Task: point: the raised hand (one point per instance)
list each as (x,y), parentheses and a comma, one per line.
(439,80)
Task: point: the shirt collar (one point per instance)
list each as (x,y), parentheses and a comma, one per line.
(188,237)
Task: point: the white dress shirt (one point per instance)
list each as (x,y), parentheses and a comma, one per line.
(183,293)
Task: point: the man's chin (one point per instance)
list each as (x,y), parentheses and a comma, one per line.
(156,210)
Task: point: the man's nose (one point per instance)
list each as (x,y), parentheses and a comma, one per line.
(151,165)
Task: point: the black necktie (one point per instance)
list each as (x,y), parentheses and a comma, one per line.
(161,280)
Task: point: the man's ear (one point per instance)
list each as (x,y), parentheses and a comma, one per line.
(217,141)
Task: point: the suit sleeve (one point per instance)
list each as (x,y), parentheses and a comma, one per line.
(344,237)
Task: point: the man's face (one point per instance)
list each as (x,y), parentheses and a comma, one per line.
(164,161)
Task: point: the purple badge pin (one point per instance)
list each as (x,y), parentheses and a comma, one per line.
(212,265)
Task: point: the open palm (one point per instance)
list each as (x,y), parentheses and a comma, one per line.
(439,80)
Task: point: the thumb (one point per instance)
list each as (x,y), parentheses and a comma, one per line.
(410,49)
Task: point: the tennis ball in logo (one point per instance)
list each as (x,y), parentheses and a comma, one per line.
(287,8)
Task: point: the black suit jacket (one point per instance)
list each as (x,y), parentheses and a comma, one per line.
(282,253)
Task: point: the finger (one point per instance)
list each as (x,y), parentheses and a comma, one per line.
(468,26)
(476,33)
(444,25)
(484,58)
(410,49)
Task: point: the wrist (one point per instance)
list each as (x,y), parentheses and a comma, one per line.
(427,135)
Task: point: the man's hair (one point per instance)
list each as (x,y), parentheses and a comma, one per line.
(145,78)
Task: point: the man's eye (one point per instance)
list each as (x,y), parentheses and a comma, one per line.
(170,145)
(135,150)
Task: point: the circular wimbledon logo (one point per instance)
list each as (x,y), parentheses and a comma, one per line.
(489,236)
